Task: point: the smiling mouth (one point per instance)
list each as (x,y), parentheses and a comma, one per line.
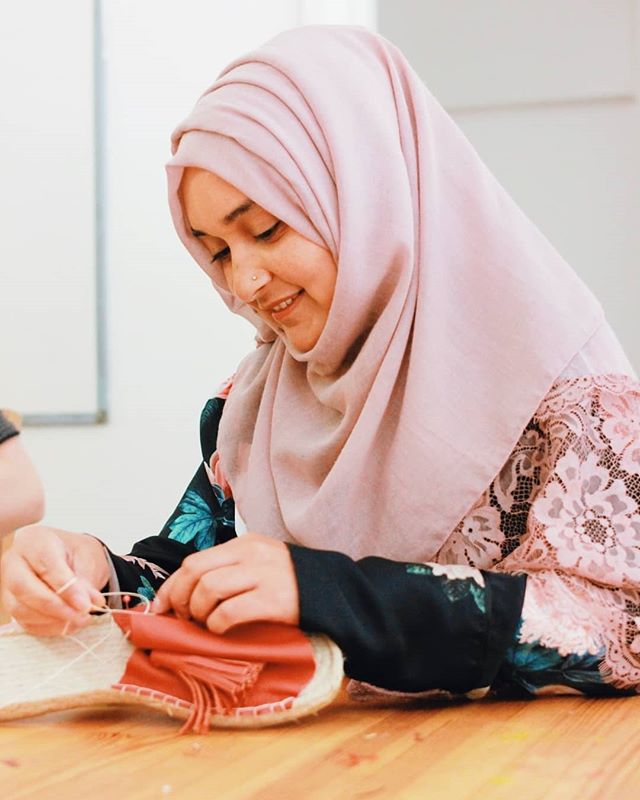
(283,308)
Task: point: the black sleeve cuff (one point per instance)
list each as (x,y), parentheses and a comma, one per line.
(166,553)
(151,561)
(402,627)
(7,430)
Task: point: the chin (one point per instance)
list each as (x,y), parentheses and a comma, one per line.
(302,345)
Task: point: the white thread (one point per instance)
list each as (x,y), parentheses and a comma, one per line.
(73,661)
(90,650)
(107,610)
(83,646)
(65,586)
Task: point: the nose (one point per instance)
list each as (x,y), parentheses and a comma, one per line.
(247,279)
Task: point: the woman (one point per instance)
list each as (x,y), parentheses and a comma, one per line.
(433,454)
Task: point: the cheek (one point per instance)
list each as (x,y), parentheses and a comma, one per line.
(327,275)
(319,271)
(303,263)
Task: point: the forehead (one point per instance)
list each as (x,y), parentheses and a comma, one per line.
(207,198)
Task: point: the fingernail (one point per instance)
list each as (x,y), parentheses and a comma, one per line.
(158,606)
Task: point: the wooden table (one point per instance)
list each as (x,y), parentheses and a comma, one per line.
(553,748)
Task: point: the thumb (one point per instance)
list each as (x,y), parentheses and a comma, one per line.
(97,599)
(80,594)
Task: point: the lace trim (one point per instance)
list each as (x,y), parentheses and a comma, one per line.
(565,509)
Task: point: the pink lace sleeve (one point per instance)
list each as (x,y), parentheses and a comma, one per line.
(565,510)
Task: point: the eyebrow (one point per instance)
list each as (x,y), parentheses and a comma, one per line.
(231,216)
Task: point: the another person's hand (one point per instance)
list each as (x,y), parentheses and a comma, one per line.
(39,564)
(248,579)
(21,496)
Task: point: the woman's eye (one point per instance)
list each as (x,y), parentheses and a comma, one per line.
(220,255)
(269,232)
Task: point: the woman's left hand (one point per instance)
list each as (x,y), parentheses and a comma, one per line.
(248,579)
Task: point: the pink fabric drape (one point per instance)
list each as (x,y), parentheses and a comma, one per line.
(452,314)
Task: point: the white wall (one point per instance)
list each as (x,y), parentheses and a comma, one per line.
(549,94)
(171,341)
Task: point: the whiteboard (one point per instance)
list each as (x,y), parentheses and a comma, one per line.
(50,336)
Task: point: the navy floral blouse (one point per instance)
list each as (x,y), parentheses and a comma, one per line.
(404,628)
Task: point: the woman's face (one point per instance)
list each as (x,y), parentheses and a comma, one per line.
(288,280)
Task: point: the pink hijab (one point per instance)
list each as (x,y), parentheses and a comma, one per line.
(452,314)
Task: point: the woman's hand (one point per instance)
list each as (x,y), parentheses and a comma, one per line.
(248,579)
(38,565)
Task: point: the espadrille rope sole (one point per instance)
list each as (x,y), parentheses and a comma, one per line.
(39,675)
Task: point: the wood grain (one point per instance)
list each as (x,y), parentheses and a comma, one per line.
(554,748)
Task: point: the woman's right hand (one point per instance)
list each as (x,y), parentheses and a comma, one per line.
(40,562)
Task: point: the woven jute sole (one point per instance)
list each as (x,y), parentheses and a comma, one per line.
(39,675)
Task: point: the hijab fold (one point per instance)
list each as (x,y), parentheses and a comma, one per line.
(451,318)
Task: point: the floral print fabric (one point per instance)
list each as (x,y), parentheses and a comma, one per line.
(205,515)
(460,581)
(565,510)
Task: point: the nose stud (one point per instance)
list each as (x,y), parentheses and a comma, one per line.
(254,277)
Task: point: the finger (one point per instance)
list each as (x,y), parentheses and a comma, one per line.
(161,603)
(96,599)
(196,565)
(237,610)
(53,628)
(51,567)
(26,589)
(32,610)
(32,617)
(218,585)
(176,591)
